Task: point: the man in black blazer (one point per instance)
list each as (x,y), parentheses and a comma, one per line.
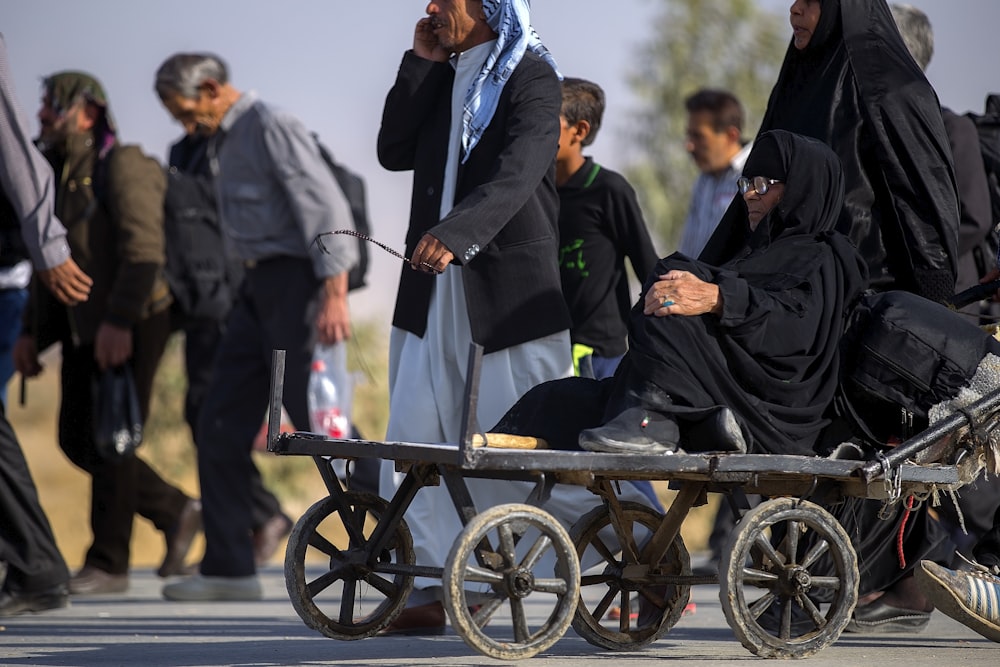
(503,229)
(474,113)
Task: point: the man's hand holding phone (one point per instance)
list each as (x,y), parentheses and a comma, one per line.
(425,42)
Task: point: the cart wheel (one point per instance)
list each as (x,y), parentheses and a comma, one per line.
(812,566)
(341,541)
(610,575)
(497,555)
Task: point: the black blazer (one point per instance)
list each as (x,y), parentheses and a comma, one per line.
(504,227)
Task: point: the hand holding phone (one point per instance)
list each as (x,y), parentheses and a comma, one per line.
(425,41)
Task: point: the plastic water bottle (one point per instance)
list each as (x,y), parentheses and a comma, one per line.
(330,392)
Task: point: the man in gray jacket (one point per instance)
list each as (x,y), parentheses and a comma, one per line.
(33,574)
(275,195)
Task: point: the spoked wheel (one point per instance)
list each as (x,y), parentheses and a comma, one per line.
(789,581)
(610,557)
(361,590)
(494,566)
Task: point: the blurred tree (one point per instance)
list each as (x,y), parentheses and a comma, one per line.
(729,44)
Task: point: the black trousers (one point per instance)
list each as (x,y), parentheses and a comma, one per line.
(119,489)
(276,309)
(876,541)
(978,502)
(201,343)
(26,541)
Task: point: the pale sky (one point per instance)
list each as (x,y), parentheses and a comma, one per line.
(331,63)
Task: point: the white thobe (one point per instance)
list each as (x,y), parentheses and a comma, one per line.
(427,384)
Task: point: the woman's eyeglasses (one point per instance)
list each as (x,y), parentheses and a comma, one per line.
(758,184)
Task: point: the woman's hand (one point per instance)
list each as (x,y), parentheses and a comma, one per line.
(681,293)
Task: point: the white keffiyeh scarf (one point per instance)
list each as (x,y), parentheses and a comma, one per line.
(511,21)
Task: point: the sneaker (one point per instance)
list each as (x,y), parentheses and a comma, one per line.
(970,597)
(201,588)
(14,603)
(91,580)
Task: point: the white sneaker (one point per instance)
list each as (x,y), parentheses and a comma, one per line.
(199,588)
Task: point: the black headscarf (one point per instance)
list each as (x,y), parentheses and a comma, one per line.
(856,88)
(772,357)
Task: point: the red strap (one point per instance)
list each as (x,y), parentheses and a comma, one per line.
(902,529)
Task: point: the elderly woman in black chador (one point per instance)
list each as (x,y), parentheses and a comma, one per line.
(753,340)
(743,355)
(849,81)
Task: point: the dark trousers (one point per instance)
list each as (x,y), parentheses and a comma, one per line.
(987,550)
(201,343)
(119,489)
(876,541)
(978,502)
(26,541)
(276,309)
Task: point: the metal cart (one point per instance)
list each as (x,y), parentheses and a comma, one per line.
(349,566)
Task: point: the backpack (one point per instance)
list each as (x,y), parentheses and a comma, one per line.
(988,126)
(901,354)
(202,280)
(353,187)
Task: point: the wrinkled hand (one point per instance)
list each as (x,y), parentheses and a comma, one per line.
(430,256)
(112,346)
(333,322)
(67,282)
(425,42)
(690,296)
(25,355)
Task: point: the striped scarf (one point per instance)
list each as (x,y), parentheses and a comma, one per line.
(511,21)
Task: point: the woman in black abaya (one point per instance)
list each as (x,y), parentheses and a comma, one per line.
(743,355)
(753,341)
(849,81)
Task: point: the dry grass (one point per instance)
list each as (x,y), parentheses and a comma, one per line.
(65,490)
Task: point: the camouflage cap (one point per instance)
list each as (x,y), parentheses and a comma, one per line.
(63,88)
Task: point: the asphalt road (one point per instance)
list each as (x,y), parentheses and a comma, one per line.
(142,629)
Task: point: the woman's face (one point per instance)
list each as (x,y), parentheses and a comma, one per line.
(759,205)
(804,17)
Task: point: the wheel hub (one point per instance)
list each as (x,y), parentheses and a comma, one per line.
(794,580)
(520,583)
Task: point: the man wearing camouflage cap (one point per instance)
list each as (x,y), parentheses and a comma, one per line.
(110,198)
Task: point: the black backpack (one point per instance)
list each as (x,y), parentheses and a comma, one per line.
(353,187)
(988,126)
(902,354)
(202,280)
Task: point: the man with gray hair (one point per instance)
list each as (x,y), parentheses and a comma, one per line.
(275,195)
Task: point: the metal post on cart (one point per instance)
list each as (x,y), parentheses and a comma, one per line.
(967,416)
(277,391)
(470,423)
